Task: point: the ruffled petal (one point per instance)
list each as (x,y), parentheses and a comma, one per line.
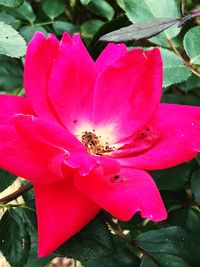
(109,55)
(41,53)
(61,212)
(179,140)
(52,134)
(127,93)
(31,159)
(71,85)
(124,193)
(10,105)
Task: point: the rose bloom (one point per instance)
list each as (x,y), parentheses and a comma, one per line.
(88,133)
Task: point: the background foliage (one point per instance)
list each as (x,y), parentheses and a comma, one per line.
(172,25)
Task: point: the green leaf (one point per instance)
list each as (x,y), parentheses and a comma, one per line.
(85,2)
(191,44)
(10,67)
(108,27)
(90,27)
(14,239)
(174,69)
(139,30)
(101,8)
(192,83)
(4,17)
(171,244)
(88,245)
(121,256)
(147,262)
(187,218)
(28,218)
(173,178)
(53,8)
(33,260)
(6,179)
(145,10)
(11,3)
(195,183)
(28,31)
(62,26)
(26,12)
(96,246)
(163,261)
(11,43)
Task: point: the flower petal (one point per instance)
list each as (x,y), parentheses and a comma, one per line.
(61,212)
(10,105)
(179,140)
(41,53)
(54,135)
(109,55)
(31,159)
(128,93)
(71,85)
(124,194)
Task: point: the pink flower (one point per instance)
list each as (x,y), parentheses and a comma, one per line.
(87,133)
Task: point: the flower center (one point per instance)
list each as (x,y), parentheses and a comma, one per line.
(92,142)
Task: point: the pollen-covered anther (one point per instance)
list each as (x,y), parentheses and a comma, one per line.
(92,142)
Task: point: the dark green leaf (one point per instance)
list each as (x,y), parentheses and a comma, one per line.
(14,239)
(123,257)
(33,260)
(63,26)
(195,182)
(6,179)
(11,3)
(147,262)
(10,67)
(11,43)
(108,27)
(164,261)
(96,246)
(28,216)
(101,8)
(192,83)
(167,243)
(173,178)
(92,242)
(180,99)
(186,218)
(131,224)
(90,27)
(53,8)
(139,30)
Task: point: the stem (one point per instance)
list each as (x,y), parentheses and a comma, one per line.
(20,92)
(44,23)
(182,7)
(16,194)
(74,7)
(187,64)
(119,231)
